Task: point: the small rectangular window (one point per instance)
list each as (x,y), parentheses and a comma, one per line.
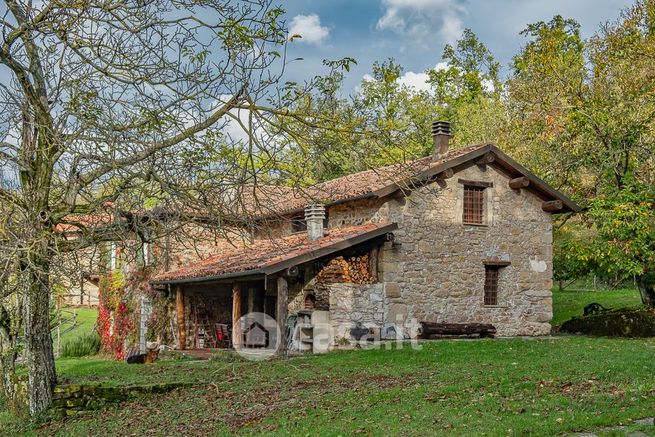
(473,205)
(491,274)
(298,223)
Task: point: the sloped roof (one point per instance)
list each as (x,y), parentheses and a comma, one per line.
(269,256)
(268,201)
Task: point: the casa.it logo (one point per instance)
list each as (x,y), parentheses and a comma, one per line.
(258,336)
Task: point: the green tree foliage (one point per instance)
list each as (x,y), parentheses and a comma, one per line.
(397,117)
(581,115)
(545,90)
(468,91)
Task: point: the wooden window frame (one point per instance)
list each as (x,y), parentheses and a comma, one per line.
(473,205)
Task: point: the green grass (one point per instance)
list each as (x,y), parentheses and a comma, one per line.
(545,386)
(83,346)
(76,322)
(492,387)
(569,303)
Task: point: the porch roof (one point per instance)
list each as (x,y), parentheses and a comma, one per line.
(265,257)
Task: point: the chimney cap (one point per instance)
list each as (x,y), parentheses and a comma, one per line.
(442,127)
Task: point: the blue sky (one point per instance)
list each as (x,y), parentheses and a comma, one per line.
(414,32)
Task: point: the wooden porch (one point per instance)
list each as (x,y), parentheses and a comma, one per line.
(208,315)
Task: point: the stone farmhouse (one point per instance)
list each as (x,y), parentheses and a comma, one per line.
(459,237)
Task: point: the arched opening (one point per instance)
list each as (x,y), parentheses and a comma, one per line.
(310,301)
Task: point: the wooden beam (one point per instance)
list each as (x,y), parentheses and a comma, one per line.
(485,159)
(520,182)
(496,262)
(481,184)
(552,205)
(181,322)
(434,330)
(236,315)
(282,312)
(446,174)
(292,272)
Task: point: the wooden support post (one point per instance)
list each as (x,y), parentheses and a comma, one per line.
(236,315)
(181,322)
(373,260)
(517,183)
(282,312)
(552,205)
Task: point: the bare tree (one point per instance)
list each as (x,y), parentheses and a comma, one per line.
(110,106)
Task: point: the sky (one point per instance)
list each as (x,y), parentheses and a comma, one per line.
(414,32)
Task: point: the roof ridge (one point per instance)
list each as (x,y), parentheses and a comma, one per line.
(406,163)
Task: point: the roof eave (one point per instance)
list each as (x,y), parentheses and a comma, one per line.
(569,205)
(274,268)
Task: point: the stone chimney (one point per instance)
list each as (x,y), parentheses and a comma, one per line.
(441,135)
(314,216)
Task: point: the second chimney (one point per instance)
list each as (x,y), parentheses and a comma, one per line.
(441,135)
(314,216)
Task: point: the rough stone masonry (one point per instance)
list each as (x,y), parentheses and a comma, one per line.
(434,271)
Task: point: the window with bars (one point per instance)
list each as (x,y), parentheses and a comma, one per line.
(491,275)
(473,205)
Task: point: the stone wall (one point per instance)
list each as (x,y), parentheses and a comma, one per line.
(72,399)
(352,303)
(434,271)
(353,213)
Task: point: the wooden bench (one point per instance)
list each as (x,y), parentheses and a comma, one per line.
(439,330)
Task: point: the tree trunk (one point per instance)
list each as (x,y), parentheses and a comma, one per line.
(8,355)
(38,341)
(646,285)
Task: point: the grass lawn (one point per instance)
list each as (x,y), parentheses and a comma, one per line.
(569,303)
(545,386)
(492,387)
(76,322)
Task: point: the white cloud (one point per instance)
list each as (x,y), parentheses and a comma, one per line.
(422,20)
(419,81)
(309,27)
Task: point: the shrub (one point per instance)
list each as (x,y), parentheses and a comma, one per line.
(82,346)
(627,322)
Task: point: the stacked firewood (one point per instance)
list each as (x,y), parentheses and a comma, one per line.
(355,270)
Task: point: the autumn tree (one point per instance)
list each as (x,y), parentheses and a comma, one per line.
(582,116)
(114,106)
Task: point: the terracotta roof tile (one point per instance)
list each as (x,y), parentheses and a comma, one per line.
(266,200)
(266,255)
